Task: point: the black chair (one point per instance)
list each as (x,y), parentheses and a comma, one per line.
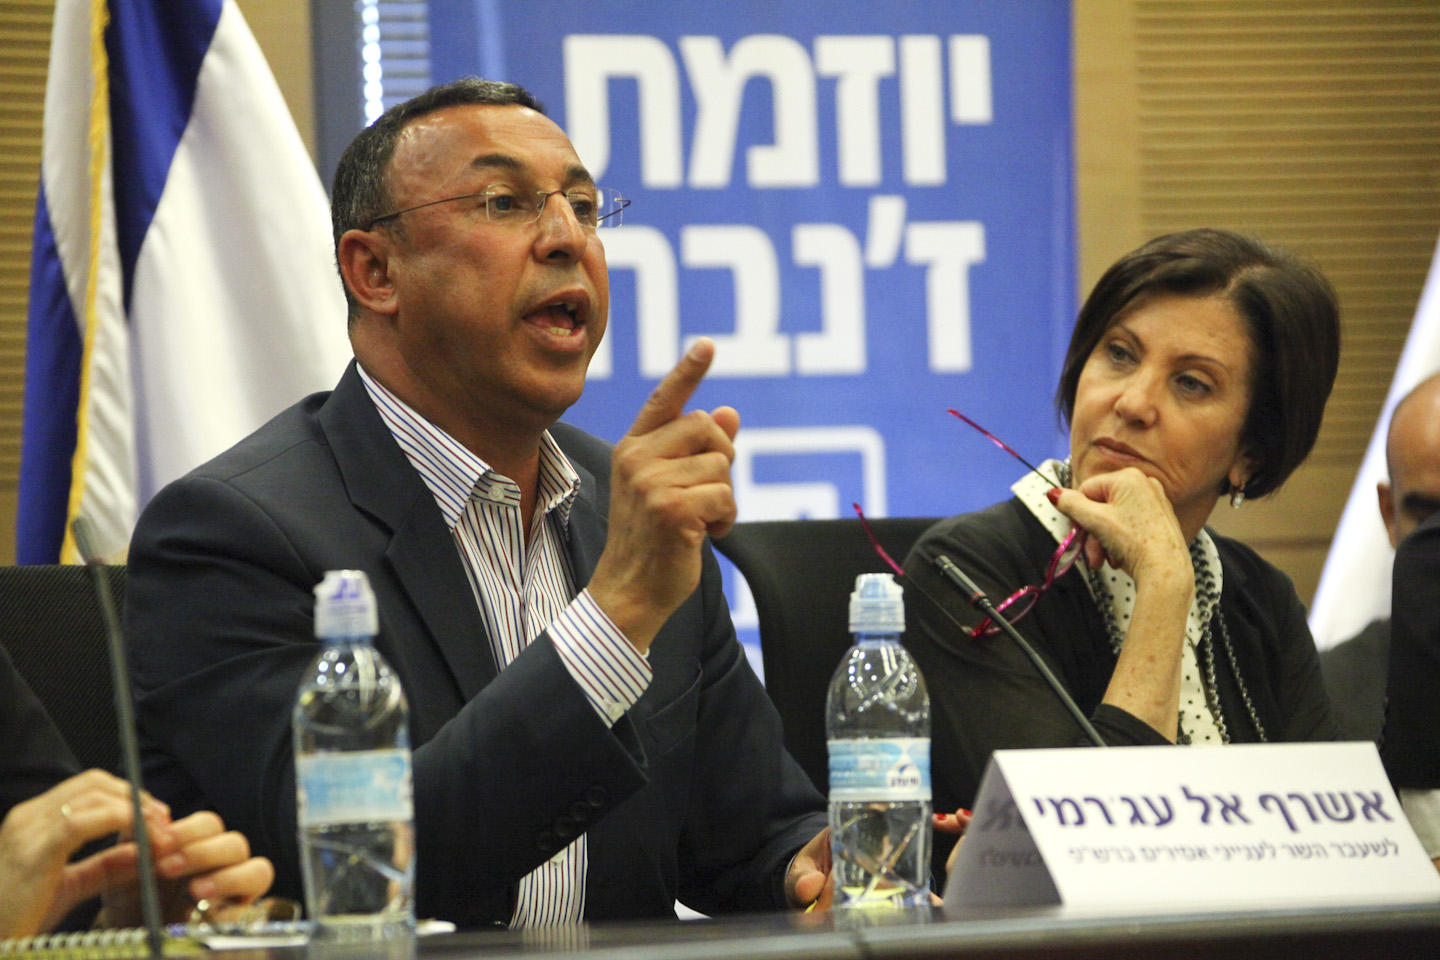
(801,573)
(50,623)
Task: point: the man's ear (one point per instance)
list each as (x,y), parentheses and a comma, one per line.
(364,258)
(1386,496)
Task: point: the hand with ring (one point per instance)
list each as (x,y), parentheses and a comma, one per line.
(38,837)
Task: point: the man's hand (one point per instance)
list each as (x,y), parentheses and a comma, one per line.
(669,487)
(954,824)
(811,881)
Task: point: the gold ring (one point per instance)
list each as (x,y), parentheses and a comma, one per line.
(65,810)
(201,913)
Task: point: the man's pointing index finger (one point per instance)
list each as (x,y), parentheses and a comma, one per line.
(667,401)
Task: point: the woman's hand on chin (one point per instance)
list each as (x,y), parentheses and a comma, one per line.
(1131,523)
(1134,524)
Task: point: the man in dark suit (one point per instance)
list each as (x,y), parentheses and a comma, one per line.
(1411,748)
(1355,670)
(589,739)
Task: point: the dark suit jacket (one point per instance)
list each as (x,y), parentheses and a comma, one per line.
(1411,748)
(689,796)
(986,695)
(1355,672)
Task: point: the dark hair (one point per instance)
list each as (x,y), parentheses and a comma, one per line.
(361,189)
(1292,317)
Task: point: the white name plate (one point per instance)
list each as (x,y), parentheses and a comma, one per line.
(1243,826)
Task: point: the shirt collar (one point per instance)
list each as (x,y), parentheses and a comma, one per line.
(559,483)
(453,474)
(1031,490)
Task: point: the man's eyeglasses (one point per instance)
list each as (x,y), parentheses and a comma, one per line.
(594,207)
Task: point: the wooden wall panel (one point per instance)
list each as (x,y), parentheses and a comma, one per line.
(1313,124)
(24,55)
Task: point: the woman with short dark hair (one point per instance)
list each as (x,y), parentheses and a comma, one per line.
(1290,315)
(1199,368)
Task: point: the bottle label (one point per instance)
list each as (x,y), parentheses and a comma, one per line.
(353,787)
(896,769)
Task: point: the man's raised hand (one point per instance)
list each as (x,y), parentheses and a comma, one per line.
(669,487)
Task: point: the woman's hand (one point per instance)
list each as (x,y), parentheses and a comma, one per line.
(1131,523)
(196,858)
(39,836)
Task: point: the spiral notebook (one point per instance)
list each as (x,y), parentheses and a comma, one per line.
(122,944)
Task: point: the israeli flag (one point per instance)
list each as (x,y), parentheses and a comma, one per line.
(182,284)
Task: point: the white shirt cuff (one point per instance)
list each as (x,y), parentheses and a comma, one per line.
(611,672)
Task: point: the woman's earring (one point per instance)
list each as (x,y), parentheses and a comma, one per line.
(1237,496)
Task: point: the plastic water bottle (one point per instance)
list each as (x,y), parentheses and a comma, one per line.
(352,774)
(878,727)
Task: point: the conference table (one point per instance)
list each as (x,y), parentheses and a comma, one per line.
(1389,932)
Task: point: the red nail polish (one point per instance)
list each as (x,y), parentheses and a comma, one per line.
(1053,494)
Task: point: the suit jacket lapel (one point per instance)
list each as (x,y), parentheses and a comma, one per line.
(421,554)
(587,529)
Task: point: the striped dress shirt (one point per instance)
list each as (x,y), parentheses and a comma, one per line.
(524,586)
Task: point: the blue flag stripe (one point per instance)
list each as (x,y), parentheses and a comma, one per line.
(155,55)
(52,396)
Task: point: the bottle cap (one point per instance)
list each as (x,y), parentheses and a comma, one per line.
(345,606)
(877,605)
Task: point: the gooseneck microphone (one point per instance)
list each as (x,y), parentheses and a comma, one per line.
(129,744)
(979,600)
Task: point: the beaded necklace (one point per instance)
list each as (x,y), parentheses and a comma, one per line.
(1209,598)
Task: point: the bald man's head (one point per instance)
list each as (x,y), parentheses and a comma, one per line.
(1412,453)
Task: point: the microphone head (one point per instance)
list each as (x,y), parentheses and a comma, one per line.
(84,539)
(955,575)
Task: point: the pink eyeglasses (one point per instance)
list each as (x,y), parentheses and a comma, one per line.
(1022,601)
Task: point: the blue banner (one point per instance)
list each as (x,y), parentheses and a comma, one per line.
(867,205)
